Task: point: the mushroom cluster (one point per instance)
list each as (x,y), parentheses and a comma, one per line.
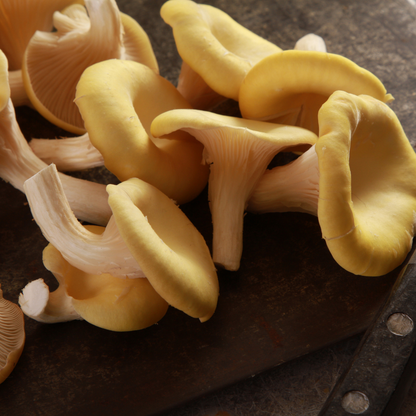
(137,253)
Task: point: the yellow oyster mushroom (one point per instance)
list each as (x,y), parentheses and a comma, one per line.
(359,179)
(148,237)
(118,101)
(170,250)
(367,196)
(53,62)
(238,152)
(290,87)
(214,45)
(12,336)
(101,299)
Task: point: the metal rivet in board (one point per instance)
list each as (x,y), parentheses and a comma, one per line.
(355,402)
(400,324)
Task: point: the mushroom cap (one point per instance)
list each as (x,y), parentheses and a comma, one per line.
(107,301)
(214,45)
(12,336)
(290,87)
(238,151)
(367,190)
(53,62)
(118,100)
(169,249)
(20,19)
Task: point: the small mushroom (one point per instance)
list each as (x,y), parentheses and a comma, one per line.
(214,45)
(12,336)
(358,179)
(290,87)
(118,101)
(238,152)
(101,299)
(54,61)
(147,237)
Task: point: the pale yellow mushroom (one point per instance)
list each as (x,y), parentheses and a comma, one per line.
(358,179)
(54,61)
(238,152)
(118,101)
(148,238)
(18,163)
(215,46)
(12,336)
(99,280)
(101,299)
(290,87)
(170,250)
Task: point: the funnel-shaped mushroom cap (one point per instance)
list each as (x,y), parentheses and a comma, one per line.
(12,336)
(214,45)
(291,86)
(367,188)
(20,19)
(54,62)
(104,300)
(118,100)
(238,152)
(170,250)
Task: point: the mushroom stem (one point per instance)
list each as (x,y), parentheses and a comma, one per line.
(17,89)
(18,163)
(92,253)
(37,303)
(292,187)
(311,42)
(68,153)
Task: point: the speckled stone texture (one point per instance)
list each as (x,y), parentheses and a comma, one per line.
(75,369)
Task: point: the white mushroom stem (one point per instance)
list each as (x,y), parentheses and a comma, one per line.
(17,89)
(85,250)
(18,163)
(293,187)
(311,42)
(39,304)
(237,160)
(68,153)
